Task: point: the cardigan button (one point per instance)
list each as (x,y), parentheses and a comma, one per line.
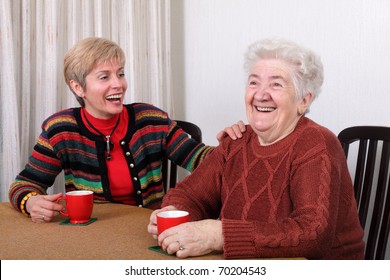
(123,143)
(131,165)
(138,192)
(135,179)
(128,154)
(140,205)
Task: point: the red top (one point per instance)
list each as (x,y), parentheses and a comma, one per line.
(293,198)
(121,187)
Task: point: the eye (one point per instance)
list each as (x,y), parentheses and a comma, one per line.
(121,75)
(276,84)
(103,77)
(252,83)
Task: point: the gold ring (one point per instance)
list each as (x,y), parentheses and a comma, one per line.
(181,248)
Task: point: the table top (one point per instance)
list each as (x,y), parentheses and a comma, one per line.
(119,233)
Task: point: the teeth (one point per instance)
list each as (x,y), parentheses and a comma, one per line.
(265,109)
(115,96)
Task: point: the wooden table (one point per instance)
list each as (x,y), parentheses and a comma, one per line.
(120,233)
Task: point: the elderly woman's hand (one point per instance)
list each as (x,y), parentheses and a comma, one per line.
(193,238)
(152,226)
(235,131)
(43,208)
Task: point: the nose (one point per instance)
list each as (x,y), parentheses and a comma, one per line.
(262,93)
(116,82)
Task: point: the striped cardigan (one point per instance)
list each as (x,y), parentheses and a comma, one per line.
(66,144)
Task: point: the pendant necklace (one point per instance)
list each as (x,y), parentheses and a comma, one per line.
(107,137)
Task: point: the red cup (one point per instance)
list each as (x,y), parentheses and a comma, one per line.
(79,205)
(171,218)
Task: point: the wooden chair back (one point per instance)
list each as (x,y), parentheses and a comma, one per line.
(371,183)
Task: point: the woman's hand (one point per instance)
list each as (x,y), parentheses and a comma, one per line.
(235,131)
(193,238)
(43,208)
(152,227)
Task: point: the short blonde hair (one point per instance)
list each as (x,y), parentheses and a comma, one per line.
(82,57)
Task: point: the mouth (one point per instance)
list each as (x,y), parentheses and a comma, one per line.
(114,97)
(265,109)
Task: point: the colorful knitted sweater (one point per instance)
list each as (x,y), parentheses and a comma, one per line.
(293,198)
(66,144)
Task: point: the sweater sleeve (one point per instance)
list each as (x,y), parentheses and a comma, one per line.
(182,149)
(200,193)
(38,174)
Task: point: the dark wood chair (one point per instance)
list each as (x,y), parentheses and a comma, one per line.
(169,169)
(371,183)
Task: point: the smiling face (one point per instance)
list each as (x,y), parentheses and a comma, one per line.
(105,89)
(271,106)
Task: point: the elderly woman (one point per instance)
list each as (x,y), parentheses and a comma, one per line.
(283,190)
(115,150)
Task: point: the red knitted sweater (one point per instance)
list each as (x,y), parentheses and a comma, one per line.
(290,199)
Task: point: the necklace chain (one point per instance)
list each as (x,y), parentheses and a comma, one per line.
(107,137)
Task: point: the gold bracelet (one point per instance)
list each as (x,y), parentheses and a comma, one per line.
(23,203)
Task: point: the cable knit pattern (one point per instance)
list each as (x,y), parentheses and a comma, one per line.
(290,199)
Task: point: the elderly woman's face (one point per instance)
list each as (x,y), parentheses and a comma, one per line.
(105,90)
(271,106)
